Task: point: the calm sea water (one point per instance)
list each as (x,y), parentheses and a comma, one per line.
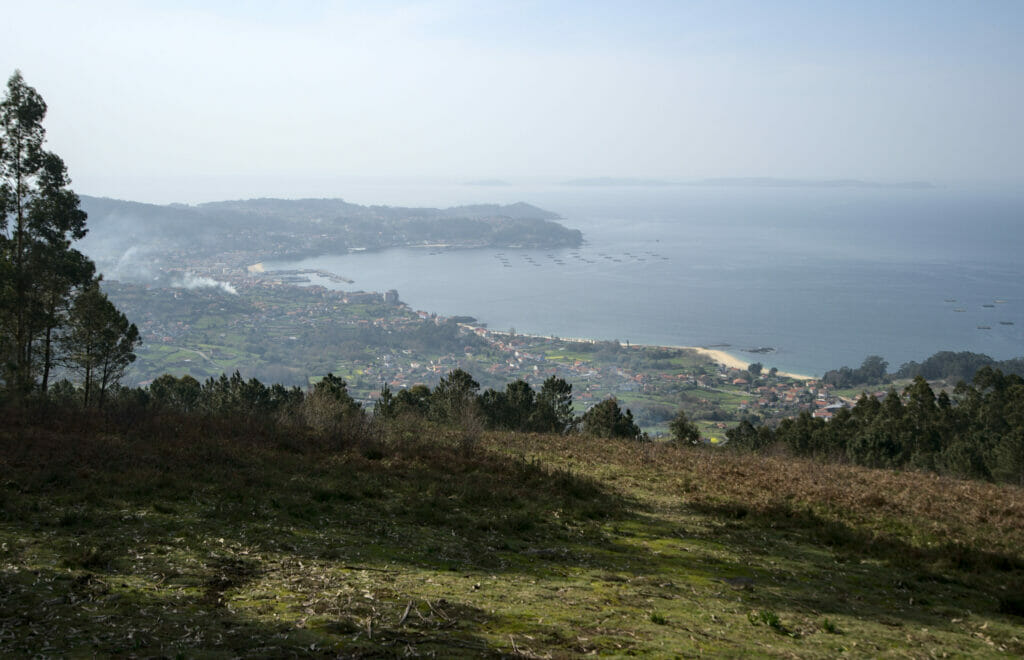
(823,276)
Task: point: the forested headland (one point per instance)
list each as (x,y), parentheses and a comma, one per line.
(244,232)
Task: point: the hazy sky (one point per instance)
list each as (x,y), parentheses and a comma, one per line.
(163,101)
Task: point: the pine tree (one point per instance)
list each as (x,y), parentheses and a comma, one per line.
(99,342)
(606,420)
(554,407)
(454,398)
(684,432)
(384,408)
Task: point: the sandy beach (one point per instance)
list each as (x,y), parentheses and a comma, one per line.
(732,362)
(721,357)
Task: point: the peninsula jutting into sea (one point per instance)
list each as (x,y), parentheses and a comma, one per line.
(243,232)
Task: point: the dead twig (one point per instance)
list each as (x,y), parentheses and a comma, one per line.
(367,568)
(405,614)
(440,614)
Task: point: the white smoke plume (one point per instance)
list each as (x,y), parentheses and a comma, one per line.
(193,281)
(134,264)
(138,263)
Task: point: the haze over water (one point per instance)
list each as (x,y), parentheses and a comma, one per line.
(823,276)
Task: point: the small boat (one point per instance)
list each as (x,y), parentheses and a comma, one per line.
(1006,323)
(988,305)
(1000,302)
(950,299)
(959,309)
(984,327)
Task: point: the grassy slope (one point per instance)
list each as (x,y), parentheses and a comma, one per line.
(193,539)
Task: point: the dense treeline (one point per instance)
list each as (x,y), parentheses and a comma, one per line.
(326,408)
(952,366)
(871,372)
(456,402)
(957,366)
(977,432)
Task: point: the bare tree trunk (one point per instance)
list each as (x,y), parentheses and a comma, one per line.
(104,368)
(23,371)
(47,359)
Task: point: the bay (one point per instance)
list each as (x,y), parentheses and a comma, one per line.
(822,276)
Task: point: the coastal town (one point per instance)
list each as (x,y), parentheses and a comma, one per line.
(294,326)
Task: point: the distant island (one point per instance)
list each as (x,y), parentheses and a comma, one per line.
(770,182)
(750,182)
(241,232)
(618,181)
